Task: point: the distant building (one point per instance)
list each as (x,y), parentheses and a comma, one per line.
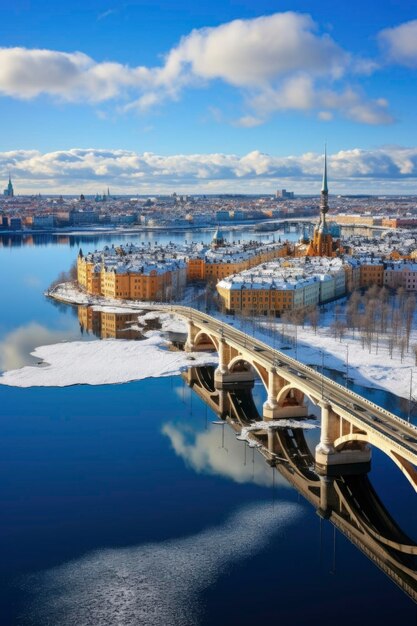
(83,218)
(283,194)
(43,221)
(222,216)
(9,191)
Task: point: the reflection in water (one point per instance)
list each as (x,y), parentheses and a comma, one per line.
(15,240)
(217,451)
(16,346)
(109,325)
(97,238)
(152,584)
(349,501)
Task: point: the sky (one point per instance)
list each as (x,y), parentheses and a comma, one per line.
(221,96)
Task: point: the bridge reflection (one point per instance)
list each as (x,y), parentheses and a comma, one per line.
(350,501)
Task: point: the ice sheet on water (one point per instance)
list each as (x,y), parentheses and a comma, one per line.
(104,362)
(141,585)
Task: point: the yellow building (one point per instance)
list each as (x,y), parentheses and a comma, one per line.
(258,301)
(225,261)
(116,276)
(353,219)
(122,274)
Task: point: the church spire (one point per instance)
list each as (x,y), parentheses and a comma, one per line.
(324,206)
(324,186)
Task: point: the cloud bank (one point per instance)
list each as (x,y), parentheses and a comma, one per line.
(391,169)
(277,62)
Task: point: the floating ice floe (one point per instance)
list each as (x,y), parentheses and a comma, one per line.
(104,362)
(244,434)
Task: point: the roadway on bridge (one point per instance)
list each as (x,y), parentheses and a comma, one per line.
(364,411)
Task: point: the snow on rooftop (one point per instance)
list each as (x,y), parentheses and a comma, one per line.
(286,274)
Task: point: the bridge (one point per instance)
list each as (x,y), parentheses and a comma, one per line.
(349,501)
(349,422)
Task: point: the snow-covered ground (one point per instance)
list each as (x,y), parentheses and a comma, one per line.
(373,368)
(368,368)
(103,362)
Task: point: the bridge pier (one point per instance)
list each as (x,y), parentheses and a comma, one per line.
(271,409)
(271,405)
(192,331)
(330,461)
(223,375)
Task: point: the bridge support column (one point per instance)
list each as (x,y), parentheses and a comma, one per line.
(272,410)
(191,335)
(328,430)
(330,461)
(222,370)
(270,407)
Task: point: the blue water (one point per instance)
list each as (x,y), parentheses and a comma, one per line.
(129,496)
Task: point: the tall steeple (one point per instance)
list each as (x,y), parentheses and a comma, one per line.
(324,196)
(324,186)
(322,243)
(9,191)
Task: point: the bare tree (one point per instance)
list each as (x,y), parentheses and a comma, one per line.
(402,344)
(409,308)
(313,318)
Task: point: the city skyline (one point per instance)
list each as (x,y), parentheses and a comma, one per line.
(226,98)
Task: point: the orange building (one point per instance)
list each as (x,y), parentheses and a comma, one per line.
(371,273)
(114,276)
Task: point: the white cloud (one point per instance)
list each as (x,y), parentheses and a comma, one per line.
(400,43)
(277,62)
(86,170)
(301,93)
(248,53)
(326,116)
(73,76)
(248,121)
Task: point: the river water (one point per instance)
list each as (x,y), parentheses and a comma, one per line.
(125,504)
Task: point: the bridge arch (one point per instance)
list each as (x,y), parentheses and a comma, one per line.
(300,394)
(203,338)
(409,471)
(260,371)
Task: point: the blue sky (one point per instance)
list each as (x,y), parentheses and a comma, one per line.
(86,88)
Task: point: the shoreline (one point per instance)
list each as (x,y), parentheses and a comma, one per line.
(371,370)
